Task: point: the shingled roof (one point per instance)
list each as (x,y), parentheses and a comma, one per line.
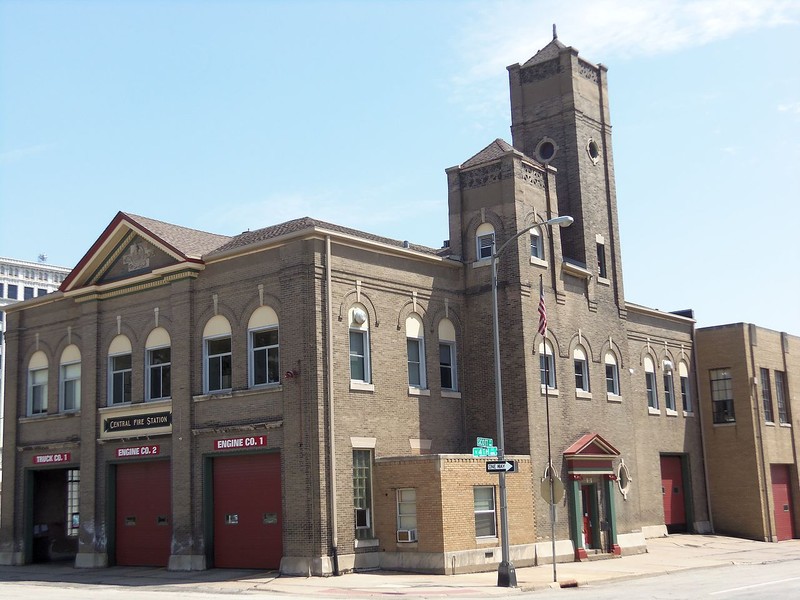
(190,242)
(250,238)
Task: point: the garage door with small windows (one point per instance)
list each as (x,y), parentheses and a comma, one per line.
(143,514)
(782,502)
(247,511)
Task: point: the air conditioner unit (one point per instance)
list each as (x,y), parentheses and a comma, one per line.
(406,535)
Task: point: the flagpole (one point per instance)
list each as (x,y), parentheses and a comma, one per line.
(543,321)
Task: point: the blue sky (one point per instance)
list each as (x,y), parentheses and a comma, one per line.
(234,115)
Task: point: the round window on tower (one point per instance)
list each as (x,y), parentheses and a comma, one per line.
(546,150)
(593,150)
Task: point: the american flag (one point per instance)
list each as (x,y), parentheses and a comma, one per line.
(542,310)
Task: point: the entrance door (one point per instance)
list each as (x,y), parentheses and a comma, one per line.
(143,514)
(782,502)
(55,515)
(247,511)
(587,500)
(672,490)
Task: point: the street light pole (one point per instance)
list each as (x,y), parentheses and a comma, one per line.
(506,575)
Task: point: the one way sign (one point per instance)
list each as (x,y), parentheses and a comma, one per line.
(505,466)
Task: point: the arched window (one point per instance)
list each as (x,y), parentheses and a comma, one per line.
(262,337)
(669,387)
(686,390)
(581,369)
(37,383)
(484,240)
(358,320)
(158,358)
(547,365)
(537,245)
(448,371)
(612,374)
(650,383)
(415,345)
(70,379)
(217,358)
(119,371)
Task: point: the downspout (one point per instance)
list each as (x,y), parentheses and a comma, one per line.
(786,388)
(331,430)
(758,432)
(702,429)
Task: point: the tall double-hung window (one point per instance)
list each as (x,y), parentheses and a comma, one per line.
(264,348)
(612,374)
(158,375)
(581,365)
(448,371)
(669,387)
(217,356)
(119,371)
(650,383)
(69,386)
(547,365)
(781,397)
(415,345)
(359,345)
(766,396)
(38,367)
(686,390)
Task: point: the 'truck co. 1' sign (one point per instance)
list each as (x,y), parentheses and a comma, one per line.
(240,443)
(49,459)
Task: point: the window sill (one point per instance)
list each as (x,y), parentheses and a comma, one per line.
(373,543)
(48,417)
(550,391)
(613,398)
(484,262)
(603,281)
(688,413)
(725,424)
(237,394)
(451,394)
(583,395)
(789,425)
(407,545)
(154,400)
(769,423)
(538,262)
(672,413)
(653,411)
(361,386)
(487,540)
(415,391)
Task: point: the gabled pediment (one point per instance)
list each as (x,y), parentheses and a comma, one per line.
(591,445)
(134,248)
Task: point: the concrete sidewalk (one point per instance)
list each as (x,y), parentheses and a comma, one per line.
(665,555)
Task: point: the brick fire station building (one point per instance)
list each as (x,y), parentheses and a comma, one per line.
(306,397)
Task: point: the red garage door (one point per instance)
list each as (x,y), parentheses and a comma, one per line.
(144,509)
(673,493)
(782,502)
(247,511)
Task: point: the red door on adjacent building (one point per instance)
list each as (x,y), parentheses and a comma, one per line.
(247,511)
(143,514)
(673,493)
(782,502)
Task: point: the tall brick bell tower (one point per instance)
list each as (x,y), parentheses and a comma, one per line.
(560,116)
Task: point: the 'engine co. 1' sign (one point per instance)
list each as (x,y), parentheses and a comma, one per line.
(240,443)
